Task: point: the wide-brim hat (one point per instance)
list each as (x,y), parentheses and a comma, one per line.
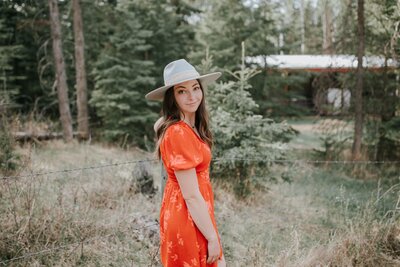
(179,71)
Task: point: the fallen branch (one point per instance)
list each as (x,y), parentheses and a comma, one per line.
(29,136)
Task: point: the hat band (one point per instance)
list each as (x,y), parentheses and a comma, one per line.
(182,76)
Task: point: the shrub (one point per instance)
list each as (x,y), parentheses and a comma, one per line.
(245,142)
(8,157)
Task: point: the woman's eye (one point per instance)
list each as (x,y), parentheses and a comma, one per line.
(181,92)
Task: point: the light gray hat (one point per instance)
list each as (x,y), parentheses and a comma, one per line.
(179,71)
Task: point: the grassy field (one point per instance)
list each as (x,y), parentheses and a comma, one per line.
(95,217)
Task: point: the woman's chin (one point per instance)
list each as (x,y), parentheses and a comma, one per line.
(191,109)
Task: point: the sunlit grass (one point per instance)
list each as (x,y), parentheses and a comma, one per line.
(305,222)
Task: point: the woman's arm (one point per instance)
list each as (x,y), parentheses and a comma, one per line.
(197,206)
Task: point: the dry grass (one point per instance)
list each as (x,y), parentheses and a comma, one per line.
(377,245)
(363,240)
(93,215)
(320,219)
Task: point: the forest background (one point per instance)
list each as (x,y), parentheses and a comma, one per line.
(80,70)
(126,44)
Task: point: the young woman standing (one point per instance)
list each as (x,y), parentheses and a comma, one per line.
(188,232)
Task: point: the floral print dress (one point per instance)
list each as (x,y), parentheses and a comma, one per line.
(182,243)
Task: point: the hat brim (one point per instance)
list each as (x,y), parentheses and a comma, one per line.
(158,94)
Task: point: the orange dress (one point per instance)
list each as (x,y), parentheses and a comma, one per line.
(181,242)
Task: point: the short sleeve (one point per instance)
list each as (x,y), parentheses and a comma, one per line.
(180,149)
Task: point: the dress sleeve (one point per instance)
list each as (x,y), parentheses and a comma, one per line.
(181,151)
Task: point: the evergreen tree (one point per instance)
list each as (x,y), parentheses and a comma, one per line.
(144,37)
(313,29)
(172,35)
(9,89)
(122,76)
(28,29)
(222,28)
(9,159)
(345,36)
(244,140)
(9,52)
(359,118)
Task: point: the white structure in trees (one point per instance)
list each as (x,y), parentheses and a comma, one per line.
(320,63)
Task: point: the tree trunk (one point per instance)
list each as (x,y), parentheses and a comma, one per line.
(81,84)
(358,124)
(61,77)
(327,30)
(302,22)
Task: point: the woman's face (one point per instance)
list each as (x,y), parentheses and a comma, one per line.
(188,96)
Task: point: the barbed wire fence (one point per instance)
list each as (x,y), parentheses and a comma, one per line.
(79,169)
(216,160)
(84,241)
(74,245)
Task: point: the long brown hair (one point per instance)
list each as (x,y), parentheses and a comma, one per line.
(171,114)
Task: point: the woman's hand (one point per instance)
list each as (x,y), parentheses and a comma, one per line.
(213,250)
(221,262)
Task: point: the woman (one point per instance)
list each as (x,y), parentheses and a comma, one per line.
(188,232)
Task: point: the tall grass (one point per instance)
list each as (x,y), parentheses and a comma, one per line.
(364,238)
(97,217)
(86,218)
(321,218)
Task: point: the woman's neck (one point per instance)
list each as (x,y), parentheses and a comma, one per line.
(189,118)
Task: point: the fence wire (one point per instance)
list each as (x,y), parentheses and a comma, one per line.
(216,160)
(79,169)
(296,161)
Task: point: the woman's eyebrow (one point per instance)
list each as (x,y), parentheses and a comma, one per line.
(181,86)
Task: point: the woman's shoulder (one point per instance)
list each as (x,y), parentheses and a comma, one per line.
(176,129)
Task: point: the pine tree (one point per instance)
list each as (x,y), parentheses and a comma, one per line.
(224,25)
(8,90)
(382,38)
(172,35)
(122,77)
(8,53)
(144,37)
(244,140)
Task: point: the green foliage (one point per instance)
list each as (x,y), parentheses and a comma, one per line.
(225,24)
(383,139)
(381,135)
(122,76)
(30,76)
(335,137)
(279,95)
(143,38)
(128,42)
(9,159)
(392,129)
(9,52)
(172,34)
(8,91)
(244,140)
